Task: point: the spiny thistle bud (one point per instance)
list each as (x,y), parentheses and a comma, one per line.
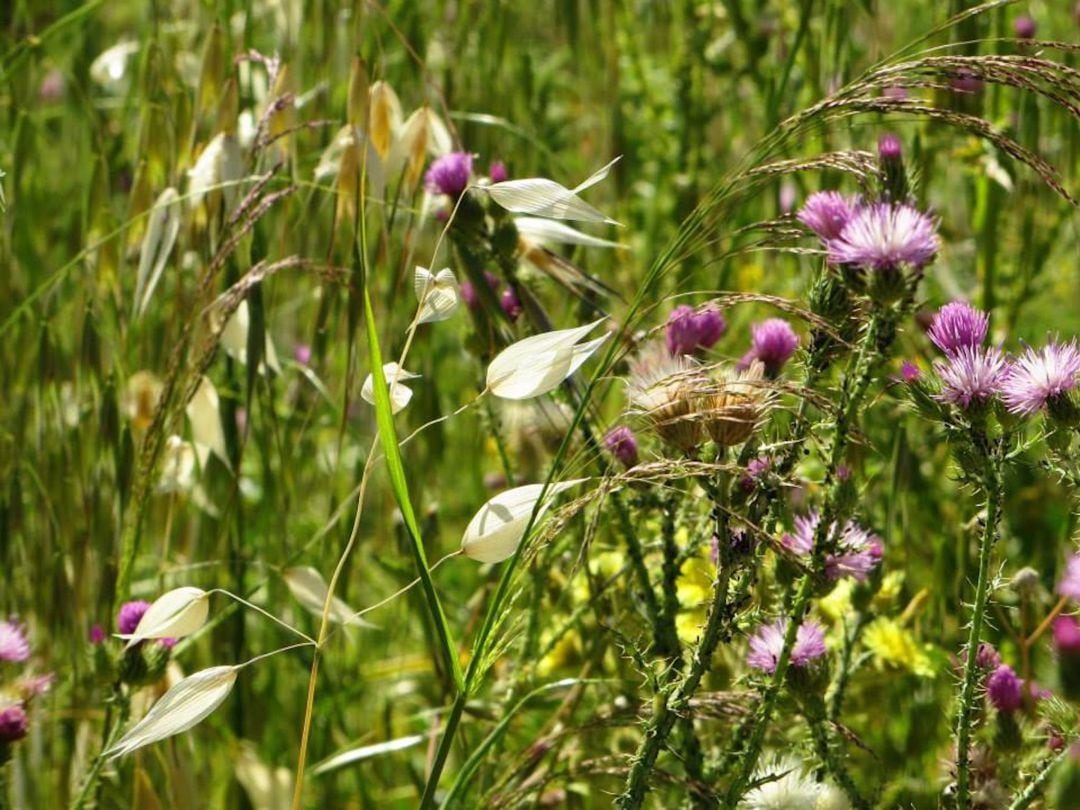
(891,160)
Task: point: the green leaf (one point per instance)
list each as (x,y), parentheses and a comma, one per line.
(396,471)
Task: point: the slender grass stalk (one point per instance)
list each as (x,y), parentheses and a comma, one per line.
(992,496)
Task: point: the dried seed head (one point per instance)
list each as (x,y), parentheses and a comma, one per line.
(665,391)
(734,408)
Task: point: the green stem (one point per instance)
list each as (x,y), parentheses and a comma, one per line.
(832,763)
(675,699)
(428,799)
(992,484)
(836,703)
(855,386)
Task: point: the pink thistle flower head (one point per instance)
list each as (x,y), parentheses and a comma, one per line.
(768,642)
(1005,689)
(958,325)
(827,212)
(13,643)
(97,634)
(1025,27)
(889,147)
(1066,631)
(1070,583)
(622,443)
(690,331)
(885,235)
(497,172)
(774,342)
(449,174)
(1040,375)
(909,372)
(858,551)
(972,376)
(130,615)
(302,353)
(13,722)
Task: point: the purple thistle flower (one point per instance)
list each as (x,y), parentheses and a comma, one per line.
(302,354)
(97,634)
(972,376)
(622,443)
(1005,689)
(497,172)
(889,147)
(1070,583)
(692,330)
(768,642)
(884,235)
(130,615)
(1038,376)
(958,325)
(13,722)
(774,342)
(1066,635)
(827,212)
(13,643)
(909,372)
(858,551)
(511,304)
(449,174)
(1025,27)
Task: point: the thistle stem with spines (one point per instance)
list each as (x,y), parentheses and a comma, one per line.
(992,494)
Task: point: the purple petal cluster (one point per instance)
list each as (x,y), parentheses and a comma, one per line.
(497,172)
(622,443)
(1070,583)
(1039,375)
(773,342)
(13,643)
(827,212)
(13,723)
(1005,689)
(130,615)
(1066,631)
(958,325)
(858,551)
(885,235)
(972,376)
(449,174)
(768,642)
(690,331)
